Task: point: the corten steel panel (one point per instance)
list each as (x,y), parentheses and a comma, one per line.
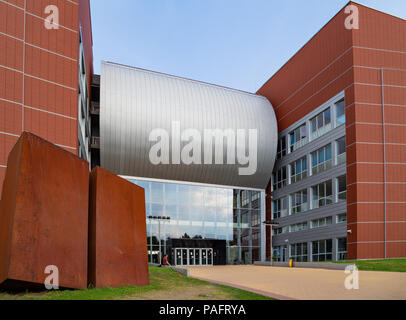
(117,232)
(44,214)
(6,144)
(134,102)
(2,175)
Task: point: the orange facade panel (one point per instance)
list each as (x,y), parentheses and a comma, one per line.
(396,173)
(57,129)
(374,28)
(395,114)
(11,53)
(369,250)
(365,172)
(51,67)
(367,113)
(10,117)
(395,134)
(362,152)
(365,192)
(11,85)
(396,231)
(11,20)
(365,212)
(50,97)
(367,231)
(68,11)
(61,41)
(316,55)
(396,249)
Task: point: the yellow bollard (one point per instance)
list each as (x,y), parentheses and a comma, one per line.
(290,263)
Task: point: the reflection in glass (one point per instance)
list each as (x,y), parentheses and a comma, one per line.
(204,212)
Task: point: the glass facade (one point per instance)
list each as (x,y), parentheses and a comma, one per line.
(204,212)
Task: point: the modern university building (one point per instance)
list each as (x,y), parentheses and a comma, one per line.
(330,165)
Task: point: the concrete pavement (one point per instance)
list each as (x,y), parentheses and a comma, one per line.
(307,284)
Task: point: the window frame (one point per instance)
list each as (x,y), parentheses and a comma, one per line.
(303,204)
(326,164)
(328,199)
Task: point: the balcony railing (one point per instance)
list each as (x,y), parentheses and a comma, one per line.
(323,130)
(341,158)
(322,167)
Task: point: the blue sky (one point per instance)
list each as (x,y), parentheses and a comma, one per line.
(234,43)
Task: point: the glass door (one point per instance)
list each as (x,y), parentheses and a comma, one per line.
(178,257)
(184,257)
(210,257)
(191,257)
(197,257)
(204,257)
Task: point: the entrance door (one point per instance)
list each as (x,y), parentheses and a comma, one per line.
(193,257)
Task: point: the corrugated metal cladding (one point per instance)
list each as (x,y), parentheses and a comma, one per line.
(134,102)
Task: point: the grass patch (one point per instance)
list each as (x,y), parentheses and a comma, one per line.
(165,284)
(393,265)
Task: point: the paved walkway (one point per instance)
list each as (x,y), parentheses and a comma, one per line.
(303,283)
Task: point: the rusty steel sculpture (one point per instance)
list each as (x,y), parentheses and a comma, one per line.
(45,226)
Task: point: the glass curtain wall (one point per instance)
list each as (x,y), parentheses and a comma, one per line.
(204,212)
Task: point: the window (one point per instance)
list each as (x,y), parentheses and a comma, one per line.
(322,194)
(321,124)
(322,250)
(299,252)
(323,222)
(280,208)
(298,227)
(321,159)
(340,150)
(340,112)
(280,230)
(342,188)
(279,178)
(281,148)
(299,170)
(298,138)
(342,249)
(342,217)
(299,201)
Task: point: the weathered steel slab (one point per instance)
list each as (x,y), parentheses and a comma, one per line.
(117,232)
(44,215)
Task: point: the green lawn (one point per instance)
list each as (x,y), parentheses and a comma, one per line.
(394,265)
(165,284)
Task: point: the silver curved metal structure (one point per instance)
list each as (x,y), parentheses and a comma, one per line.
(134,102)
